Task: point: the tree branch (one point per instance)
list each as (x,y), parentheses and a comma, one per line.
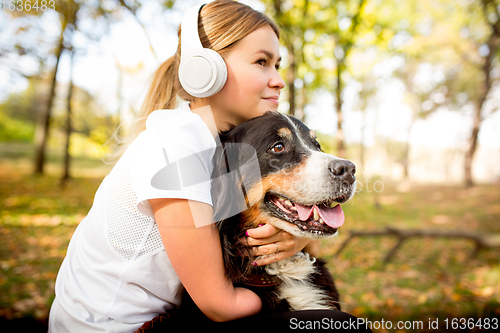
(481,241)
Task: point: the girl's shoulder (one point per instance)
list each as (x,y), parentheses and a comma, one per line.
(179,129)
(172,117)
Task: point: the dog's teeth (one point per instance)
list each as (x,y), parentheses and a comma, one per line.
(321,221)
(333,204)
(316,214)
(288,202)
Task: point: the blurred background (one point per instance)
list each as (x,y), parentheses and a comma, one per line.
(408,90)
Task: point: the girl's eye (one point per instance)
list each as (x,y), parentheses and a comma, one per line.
(261,62)
(278,148)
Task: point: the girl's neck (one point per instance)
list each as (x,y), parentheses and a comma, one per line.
(210,116)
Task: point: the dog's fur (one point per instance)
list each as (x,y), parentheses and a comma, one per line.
(293,167)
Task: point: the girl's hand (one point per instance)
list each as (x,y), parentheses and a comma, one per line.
(267,239)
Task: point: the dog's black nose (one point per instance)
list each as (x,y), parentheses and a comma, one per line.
(344,170)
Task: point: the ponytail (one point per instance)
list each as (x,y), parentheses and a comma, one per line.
(162,93)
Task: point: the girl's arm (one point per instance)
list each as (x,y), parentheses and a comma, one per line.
(196,255)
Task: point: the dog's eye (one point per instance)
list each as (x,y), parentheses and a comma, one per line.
(316,143)
(278,148)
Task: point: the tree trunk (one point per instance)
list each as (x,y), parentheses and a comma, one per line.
(493,44)
(469,154)
(338,106)
(301,114)
(347,43)
(406,153)
(43,126)
(67,156)
(292,70)
(291,78)
(362,142)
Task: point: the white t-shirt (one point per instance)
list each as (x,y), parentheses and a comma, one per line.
(116,274)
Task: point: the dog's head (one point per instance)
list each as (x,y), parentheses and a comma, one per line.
(298,187)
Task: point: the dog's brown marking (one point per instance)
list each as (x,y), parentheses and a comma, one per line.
(281,182)
(312,134)
(253,216)
(285,133)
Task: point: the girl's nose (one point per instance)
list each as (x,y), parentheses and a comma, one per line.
(276,81)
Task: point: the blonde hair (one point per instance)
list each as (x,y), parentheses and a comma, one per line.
(221,24)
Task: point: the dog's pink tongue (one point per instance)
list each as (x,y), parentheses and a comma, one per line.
(334,217)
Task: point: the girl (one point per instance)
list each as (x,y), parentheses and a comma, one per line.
(131,256)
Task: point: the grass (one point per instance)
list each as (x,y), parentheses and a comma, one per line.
(428,279)
(37,219)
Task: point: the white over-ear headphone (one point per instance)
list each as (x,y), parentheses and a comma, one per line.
(202,72)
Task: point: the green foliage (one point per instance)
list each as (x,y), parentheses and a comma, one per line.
(456,40)
(91,127)
(15,130)
(25,105)
(327,143)
(19,112)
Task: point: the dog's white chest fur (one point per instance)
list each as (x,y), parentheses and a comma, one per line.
(297,289)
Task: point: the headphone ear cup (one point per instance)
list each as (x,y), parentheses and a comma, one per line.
(220,72)
(203,73)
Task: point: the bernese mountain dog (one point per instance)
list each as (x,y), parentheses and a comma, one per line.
(297,188)
(271,169)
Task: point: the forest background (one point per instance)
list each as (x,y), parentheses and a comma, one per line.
(408,90)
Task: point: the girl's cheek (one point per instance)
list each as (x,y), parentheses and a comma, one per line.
(257,84)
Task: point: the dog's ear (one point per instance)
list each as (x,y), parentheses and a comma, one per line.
(228,202)
(228,198)
(236,171)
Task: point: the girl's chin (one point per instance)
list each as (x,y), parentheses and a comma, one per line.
(269,106)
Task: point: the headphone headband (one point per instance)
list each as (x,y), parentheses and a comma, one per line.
(202,72)
(190,38)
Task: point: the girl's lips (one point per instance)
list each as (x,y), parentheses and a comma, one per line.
(272,99)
